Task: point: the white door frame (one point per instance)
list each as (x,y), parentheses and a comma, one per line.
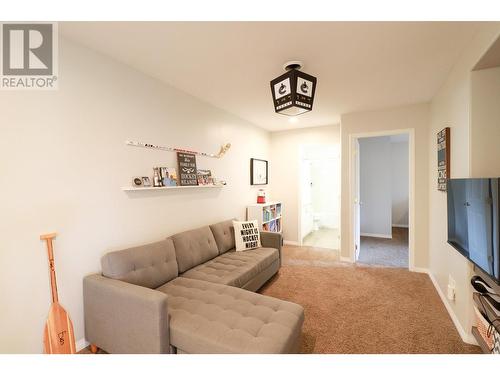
(411,189)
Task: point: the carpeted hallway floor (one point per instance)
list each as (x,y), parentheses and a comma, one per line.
(363,309)
(388,252)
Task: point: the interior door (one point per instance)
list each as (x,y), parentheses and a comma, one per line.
(357,203)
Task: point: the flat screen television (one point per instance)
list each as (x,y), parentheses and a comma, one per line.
(473,221)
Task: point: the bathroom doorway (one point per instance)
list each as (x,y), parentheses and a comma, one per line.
(319,176)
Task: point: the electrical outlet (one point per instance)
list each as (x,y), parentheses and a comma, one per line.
(451,288)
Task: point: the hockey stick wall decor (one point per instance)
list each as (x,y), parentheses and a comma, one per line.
(223,149)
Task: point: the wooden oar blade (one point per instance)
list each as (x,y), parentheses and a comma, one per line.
(58,336)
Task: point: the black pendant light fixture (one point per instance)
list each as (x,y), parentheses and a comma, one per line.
(293,91)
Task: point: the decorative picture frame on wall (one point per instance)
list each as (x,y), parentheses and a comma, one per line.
(443,158)
(259,172)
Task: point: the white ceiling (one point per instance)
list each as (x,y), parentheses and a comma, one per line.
(359,65)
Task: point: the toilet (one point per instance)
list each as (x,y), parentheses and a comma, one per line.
(316,221)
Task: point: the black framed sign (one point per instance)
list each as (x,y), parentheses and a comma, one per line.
(258,172)
(443,157)
(187,169)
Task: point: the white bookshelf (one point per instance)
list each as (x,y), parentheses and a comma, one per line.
(268,215)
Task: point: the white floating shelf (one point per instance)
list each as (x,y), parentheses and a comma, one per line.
(131,188)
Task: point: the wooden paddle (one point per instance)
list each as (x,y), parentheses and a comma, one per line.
(58,337)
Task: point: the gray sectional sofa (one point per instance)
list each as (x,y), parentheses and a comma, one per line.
(191,293)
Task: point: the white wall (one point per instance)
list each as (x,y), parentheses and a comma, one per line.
(415,117)
(64,161)
(375,179)
(485,122)
(284,169)
(399,177)
(451,107)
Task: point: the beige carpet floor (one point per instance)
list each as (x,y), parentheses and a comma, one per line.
(388,252)
(363,309)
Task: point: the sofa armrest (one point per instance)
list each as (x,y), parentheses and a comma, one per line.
(272,239)
(125,318)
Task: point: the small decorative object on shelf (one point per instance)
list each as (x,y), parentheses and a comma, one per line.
(137,181)
(261,196)
(268,216)
(156,177)
(187,169)
(146,182)
(205,177)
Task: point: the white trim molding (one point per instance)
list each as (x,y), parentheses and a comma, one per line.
(377,235)
(466,337)
(418,270)
(81,344)
(346,259)
(293,243)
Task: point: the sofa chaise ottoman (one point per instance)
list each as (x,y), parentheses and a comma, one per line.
(191,293)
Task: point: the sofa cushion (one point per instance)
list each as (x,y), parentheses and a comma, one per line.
(246,235)
(234,268)
(213,318)
(148,265)
(194,247)
(224,235)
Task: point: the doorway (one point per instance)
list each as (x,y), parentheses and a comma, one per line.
(319,177)
(382,214)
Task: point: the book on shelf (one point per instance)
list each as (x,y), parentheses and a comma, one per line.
(278,209)
(267,215)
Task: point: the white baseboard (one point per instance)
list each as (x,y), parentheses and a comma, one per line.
(81,344)
(376,235)
(419,270)
(466,337)
(346,259)
(400,225)
(293,243)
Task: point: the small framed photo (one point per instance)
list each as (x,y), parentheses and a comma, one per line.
(258,172)
(137,181)
(146,182)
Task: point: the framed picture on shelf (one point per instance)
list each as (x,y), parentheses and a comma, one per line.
(137,181)
(205,177)
(168,176)
(187,169)
(258,172)
(146,182)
